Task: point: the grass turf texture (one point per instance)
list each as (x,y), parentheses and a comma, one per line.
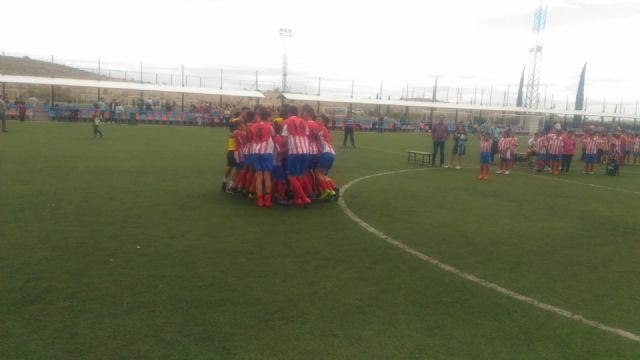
(216,277)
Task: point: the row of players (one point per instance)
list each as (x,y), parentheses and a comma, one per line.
(289,157)
(555,150)
(597,147)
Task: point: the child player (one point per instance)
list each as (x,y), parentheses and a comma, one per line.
(295,134)
(514,149)
(308,114)
(279,159)
(541,151)
(591,152)
(554,152)
(232,153)
(504,149)
(485,154)
(263,156)
(636,148)
(325,184)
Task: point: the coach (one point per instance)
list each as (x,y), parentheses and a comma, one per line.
(348,130)
(439,135)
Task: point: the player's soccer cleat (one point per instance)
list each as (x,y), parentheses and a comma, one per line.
(223,188)
(506,172)
(267,200)
(458,167)
(336,194)
(325,195)
(260,201)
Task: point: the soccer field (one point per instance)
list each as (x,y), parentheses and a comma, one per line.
(125,248)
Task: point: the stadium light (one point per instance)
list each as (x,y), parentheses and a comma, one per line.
(285,33)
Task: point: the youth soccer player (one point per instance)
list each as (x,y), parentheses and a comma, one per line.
(591,152)
(514,149)
(263,157)
(504,149)
(326,185)
(232,154)
(636,148)
(295,134)
(554,152)
(96,126)
(308,114)
(541,151)
(486,143)
(279,159)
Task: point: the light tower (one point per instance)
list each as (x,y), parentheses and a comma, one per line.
(532,97)
(285,33)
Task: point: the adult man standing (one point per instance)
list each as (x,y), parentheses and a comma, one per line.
(439,135)
(3,114)
(348,130)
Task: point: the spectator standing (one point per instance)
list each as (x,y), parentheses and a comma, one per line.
(495,138)
(3,114)
(381,124)
(22,110)
(568,150)
(102,107)
(439,135)
(112,111)
(348,130)
(459,145)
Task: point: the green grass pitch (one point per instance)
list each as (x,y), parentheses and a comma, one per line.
(124,248)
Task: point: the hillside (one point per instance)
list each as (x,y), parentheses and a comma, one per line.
(11,65)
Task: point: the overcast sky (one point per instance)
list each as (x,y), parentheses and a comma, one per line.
(464,42)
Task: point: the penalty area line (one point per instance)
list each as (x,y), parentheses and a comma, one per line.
(482,282)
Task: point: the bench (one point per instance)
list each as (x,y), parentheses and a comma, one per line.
(425,157)
(522,157)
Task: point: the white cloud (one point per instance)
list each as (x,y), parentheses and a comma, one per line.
(468,42)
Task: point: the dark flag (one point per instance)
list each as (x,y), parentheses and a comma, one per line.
(577,119)
(433,99)
(520,100)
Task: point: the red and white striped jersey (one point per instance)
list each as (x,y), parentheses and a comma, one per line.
(279,151)
(591,145)
(263,138)
(325,140)
(313,138)
(504,147)
(485,145)
(613,141)
(248,139)
(514,143)
(296,131)
(541,145)
(554,144)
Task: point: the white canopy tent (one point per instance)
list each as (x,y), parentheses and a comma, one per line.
(102,84)
(443,105)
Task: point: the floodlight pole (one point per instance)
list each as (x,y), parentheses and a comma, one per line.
(380,99)
(285,34)
(98,80)
(53,93)
(351,103)
(182,85)
(257,87)
(141,90)
(318,103)
(221,78)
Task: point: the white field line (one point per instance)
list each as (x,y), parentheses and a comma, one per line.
(467,276)
(579,182)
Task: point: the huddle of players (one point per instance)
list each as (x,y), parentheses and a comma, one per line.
(288,158)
